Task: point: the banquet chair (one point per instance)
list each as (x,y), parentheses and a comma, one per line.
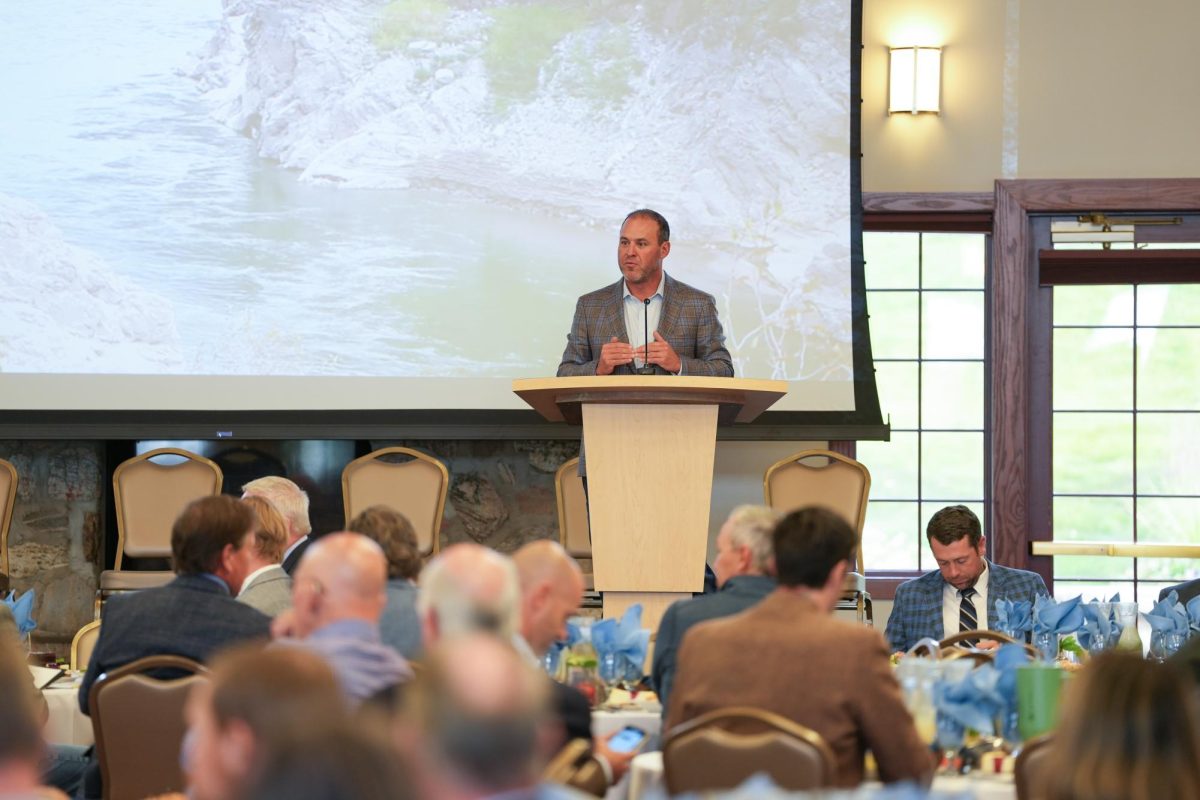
(8,496)
(137,718)
(954,642)
(576,767)
(722,748)
(83,644)
(573,531)
(150,491)
(1031,767)
(416,486)
(838,482)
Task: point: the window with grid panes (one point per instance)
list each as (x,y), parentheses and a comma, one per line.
(926,300)
(1126,428)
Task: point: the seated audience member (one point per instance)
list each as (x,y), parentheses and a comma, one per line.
(961,593)
(337,599)
(340,761)
(743,570)
(196,613)
(789,655)
(256,700)
(1128,732)
(1185,591)
(22,711)
(292,504)
(551,591)
(267,588)
(473,721)
(391,530)
(468,588)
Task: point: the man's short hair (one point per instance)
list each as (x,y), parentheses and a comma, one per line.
(953,523)
(664,229)
(751,527)
(270,534)
(808,545)
(204,528)
(289,500)
(463,607)
(393,532)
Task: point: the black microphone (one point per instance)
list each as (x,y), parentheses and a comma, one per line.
(646,369)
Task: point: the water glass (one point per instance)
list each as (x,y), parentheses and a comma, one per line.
(1046,644)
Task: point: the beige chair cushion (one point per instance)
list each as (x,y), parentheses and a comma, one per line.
(124,580)
(416,488)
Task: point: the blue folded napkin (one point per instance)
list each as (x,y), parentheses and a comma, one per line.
(1193,612)
(22,610)
(974,701)
(1051,616)
(1014,615)
(1095,624)
(574,636)
(626,638)
(1168,615)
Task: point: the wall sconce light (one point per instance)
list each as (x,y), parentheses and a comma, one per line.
(915,75)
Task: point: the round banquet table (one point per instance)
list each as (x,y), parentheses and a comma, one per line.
(67,724)
(645,782)
(606,722)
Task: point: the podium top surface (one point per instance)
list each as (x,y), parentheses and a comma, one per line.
(558,399)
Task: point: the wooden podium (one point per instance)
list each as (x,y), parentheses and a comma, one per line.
(650,440)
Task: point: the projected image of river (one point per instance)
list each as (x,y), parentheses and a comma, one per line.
(334,189)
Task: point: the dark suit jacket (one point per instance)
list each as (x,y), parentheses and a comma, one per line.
(738,594)
(917,610)
(570,706)
(293,558)
(1187,590)
(191,616)
(787,656)
(688,322)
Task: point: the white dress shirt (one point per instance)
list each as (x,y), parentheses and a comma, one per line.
(951,601)
(639,317)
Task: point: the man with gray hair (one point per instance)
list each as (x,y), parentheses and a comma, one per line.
(467,589)
(292,504)
(744,569)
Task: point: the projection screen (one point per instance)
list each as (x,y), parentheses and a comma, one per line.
(329,204)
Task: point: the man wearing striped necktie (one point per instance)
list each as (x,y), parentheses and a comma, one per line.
(961,594)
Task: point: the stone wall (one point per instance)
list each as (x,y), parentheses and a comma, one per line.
(56,537)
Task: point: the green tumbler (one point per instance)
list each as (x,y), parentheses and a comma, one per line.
(1038,689)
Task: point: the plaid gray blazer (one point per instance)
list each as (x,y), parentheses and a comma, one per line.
(917,612)
(689,323)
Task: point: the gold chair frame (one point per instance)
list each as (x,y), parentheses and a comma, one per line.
(80,634)
(9,498)
(950,645)
(766,723)
(371,458)
(862,599)
(137,461)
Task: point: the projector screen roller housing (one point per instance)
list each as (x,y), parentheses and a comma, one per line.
(368,205)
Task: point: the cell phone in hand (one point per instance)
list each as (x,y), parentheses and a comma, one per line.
(628,740)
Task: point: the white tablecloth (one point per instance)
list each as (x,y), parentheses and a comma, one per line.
(67,724)
(646,781)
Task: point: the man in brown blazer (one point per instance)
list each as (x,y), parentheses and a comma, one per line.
(790,656)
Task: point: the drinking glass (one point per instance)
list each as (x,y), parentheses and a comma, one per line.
(1046,644)
(1127,616)
(950,736)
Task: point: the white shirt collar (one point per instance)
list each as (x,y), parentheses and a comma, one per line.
(658,290)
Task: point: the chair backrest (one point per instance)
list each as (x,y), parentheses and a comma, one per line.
(8,496)
(576,767)
(952,642)
(139,726)
(722,748)
(150,495)
(83,644)
(821,478)
(416,487)
(1031,768)
(573,533)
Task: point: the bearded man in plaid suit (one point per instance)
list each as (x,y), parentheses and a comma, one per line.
(961,594)
(608,329)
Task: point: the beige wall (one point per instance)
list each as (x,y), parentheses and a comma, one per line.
(1035,89)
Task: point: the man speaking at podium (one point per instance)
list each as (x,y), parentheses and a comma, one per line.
(609,333)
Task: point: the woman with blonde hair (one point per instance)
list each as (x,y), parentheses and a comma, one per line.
(1129,731)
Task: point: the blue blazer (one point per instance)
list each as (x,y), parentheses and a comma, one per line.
(917,611)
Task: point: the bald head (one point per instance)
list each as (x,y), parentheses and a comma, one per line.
(342,576)
(478,707)
(551,591)
(468,588)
